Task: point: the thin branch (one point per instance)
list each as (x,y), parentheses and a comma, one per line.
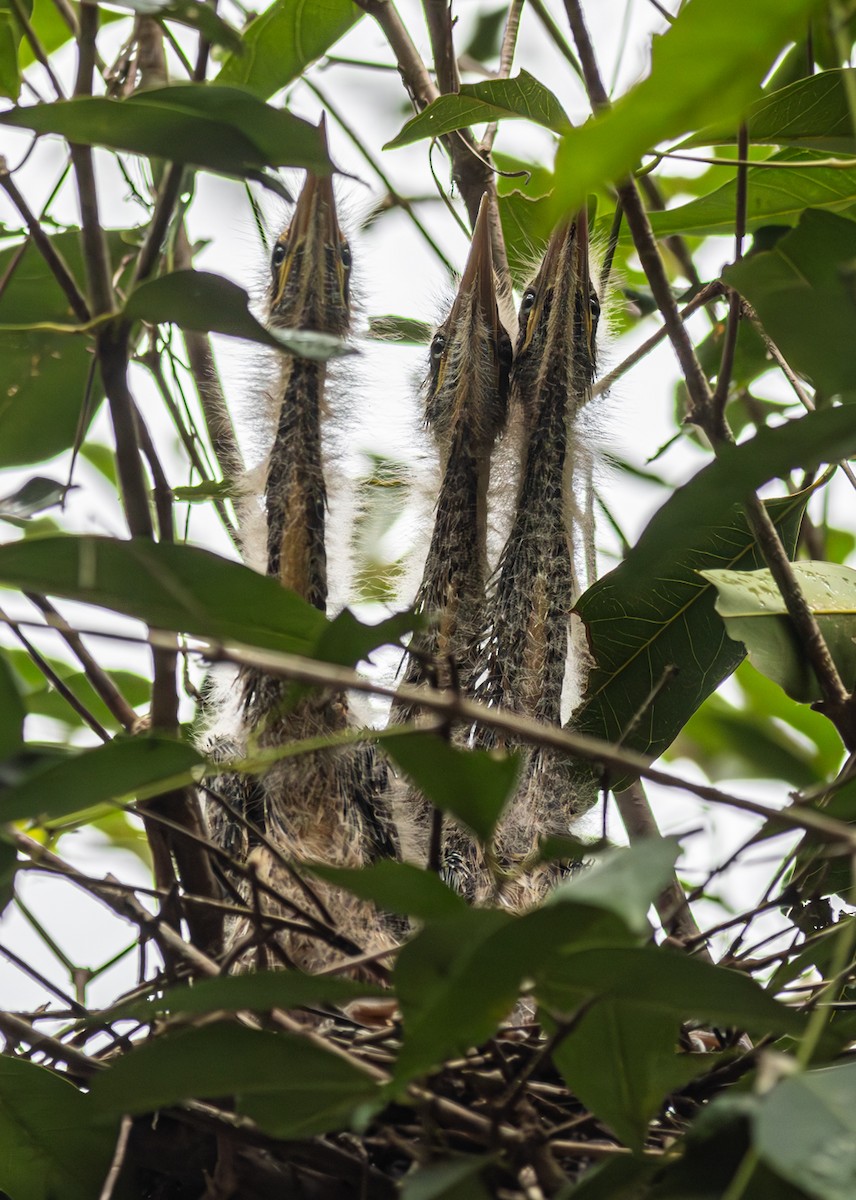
(59,685)
(709,292)
(45,247)
(506,58)
(36,46)
(99,679)
(468,712)
(671,904)
(640,228)
(95,253)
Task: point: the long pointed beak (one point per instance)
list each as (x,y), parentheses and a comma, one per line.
(311,246)
(478,280)
(562,286)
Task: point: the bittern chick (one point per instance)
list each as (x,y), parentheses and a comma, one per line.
(328,805)
(527,642)
(466,397)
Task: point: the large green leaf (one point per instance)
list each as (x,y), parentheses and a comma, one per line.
(621,1061)
(460,976)
(766,736)
(644,619)
(755,614)
(813,112)
(281,42)
(664,981)
(685,90)
(43,375)
(221,129)
(288,1085)
(203,301)
(50,1142)
(805,1129)
(654,612)
(168,586)
(803,291)
(116,771)
(522,97)
(472,785)
(774,197)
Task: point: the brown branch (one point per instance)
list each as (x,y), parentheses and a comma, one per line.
(438,18)
(837,702)
(36,46)
(643,236)
(671,904)
(59,685)
(709,292)
(45,247)
(100,681)
(468,712)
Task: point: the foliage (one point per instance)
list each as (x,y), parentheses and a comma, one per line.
(648,1028)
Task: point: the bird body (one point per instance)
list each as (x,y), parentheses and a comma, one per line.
(325,805)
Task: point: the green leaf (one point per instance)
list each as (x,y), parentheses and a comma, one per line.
(289,1086)
(774,197)
(207,302)
(284,40)
(40,696)
(43,375)
(259,992)
(220,129)
(10,41)
(12,710)
(805,1129)
(666,982)
(172,587)
(457,1179)
(813,113)
(527,222)
(453,988)
(51,1144)
(624,881)
(116,771)
(654,612)
(397,887)
(804,291)
(522,97)
(460,976)
(685,90)
(755,614)
(621,1061)
(472,785)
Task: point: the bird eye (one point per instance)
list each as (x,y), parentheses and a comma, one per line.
(345,256)
(438,345)
(278,255)
(528,301)
(594,306)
